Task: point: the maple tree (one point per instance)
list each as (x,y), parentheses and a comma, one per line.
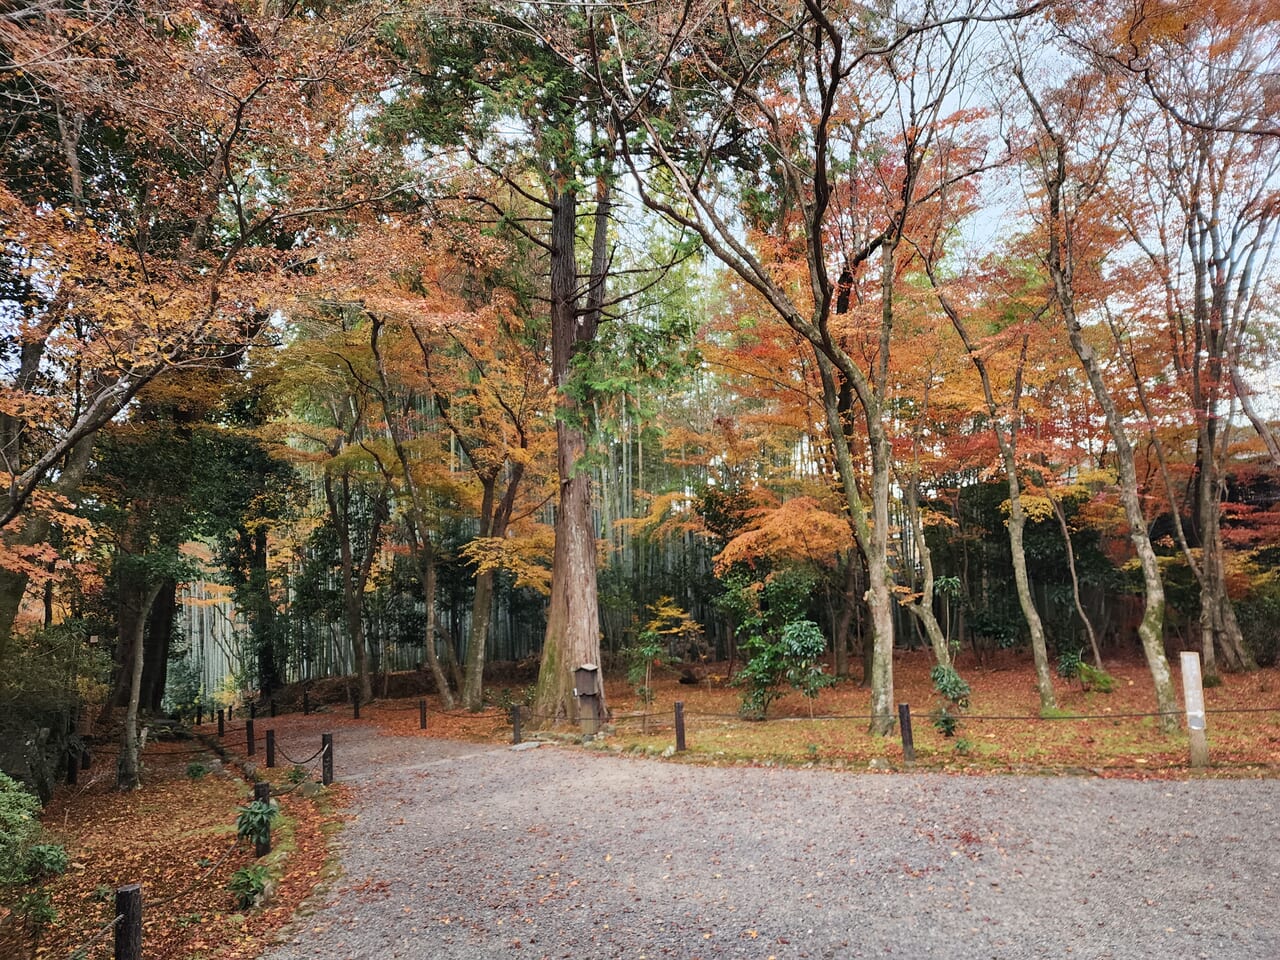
(837,133)
(148,210)
(1205,217)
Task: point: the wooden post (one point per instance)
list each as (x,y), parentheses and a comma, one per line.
(129,929)
(73,767)
(515,723)
(86,759)
(271,749)
(326,762)
(355,703)
(221,716)
(306,703)
(272,707)
(230,707)
(422,714)
(904,723)
(248,737)
(680,744)
(262,794)
(253,709)
(1193,697)
(199,714)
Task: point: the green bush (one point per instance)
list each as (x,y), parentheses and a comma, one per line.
(248,884)
(46,860)
(950,684)
(944,721)
(1259,618)
(1069,664)
(18,829)
(196,770)
(297,773)
(254,821)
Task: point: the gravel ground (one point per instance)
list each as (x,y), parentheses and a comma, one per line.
(469,851)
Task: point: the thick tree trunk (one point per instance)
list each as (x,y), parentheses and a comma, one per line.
(156,644)
(573,618)
(573,632)
(481,614)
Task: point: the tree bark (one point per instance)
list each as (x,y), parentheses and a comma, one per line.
(573,618)
(134,607)
(157,642)
(1061,266)
(1075,582)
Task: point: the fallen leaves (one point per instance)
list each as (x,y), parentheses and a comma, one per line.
(175,837)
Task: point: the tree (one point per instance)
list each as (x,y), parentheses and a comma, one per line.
(1206,219)
(328,377)
(160,176)
(1005,425)
(804,134)
(1069,183)
(482,369)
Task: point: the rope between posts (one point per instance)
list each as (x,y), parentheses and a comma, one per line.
(390,709)
(299,763)
(83,949)
(468,716)
(315,758)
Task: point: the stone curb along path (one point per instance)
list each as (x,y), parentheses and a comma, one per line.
(458,850)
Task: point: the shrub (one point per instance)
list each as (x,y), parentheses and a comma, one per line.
(1069,664)
(950,684)
(196,770)
(36,909)
(297,773)
(254,821)
(46,860)
(944,721)
(18,829)
(248,884)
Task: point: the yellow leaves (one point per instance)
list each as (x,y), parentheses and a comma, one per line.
(527,557)
(1035,508)
(670,515)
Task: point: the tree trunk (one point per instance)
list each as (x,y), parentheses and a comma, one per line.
(426,560)
(1151,629)
(573,618)
(134,606)
(1075,582)
(156,645)
(481,614)
(1219,631)
(1059,263)
(36,529)
(1039,650)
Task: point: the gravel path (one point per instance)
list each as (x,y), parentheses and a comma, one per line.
(462,851)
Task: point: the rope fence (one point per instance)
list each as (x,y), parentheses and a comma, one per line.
(1194,712)
(82,951)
